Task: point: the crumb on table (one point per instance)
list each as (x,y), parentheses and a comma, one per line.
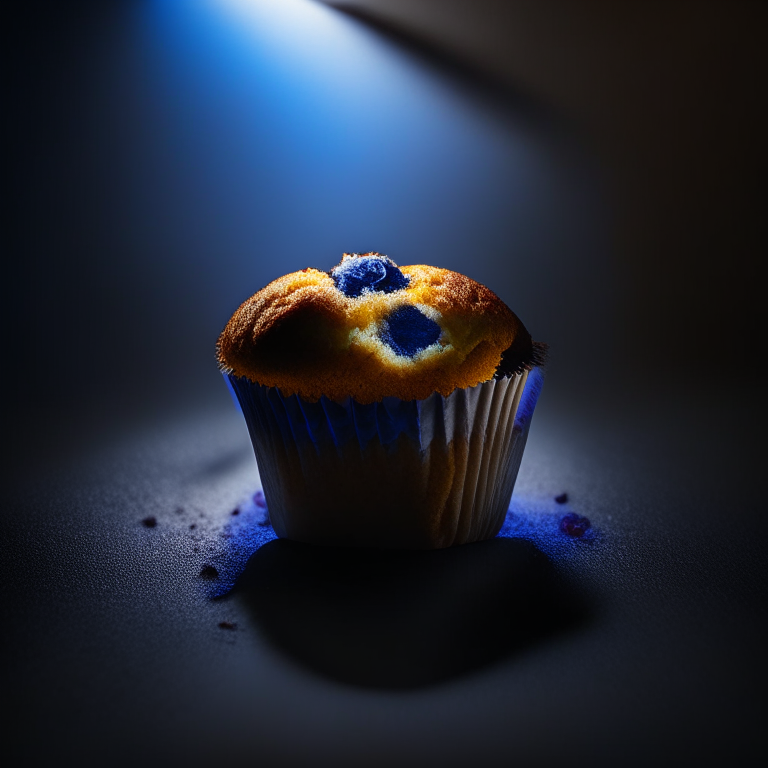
(574,525)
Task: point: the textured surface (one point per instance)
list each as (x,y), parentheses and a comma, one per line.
(641,643)
(169,157)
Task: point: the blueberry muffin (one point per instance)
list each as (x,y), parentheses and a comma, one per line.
(387,406)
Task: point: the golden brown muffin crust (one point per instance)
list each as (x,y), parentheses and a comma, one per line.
(305,336)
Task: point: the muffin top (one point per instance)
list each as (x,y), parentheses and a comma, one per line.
(369,329)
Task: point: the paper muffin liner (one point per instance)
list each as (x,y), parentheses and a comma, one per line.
(419,474)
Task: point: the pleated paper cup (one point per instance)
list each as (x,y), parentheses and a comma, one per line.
(419,474)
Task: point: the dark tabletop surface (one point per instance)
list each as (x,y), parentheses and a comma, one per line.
(167,166)
(642,643)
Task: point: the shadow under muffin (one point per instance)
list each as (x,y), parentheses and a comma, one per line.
(403,619)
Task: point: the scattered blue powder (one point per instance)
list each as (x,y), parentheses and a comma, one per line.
(408,331)
(239,539)
(355,276)
(539,521)
(532,519)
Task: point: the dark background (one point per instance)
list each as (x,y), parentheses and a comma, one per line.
(600,166)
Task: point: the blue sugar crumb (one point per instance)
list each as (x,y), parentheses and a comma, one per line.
(353,277)
(575,525)
(408,331)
